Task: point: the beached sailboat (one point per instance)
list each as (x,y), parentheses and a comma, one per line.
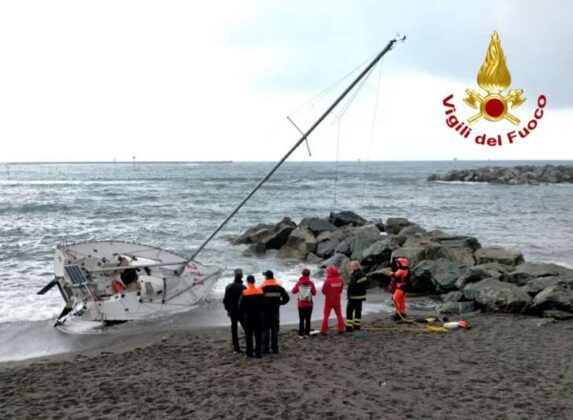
(115,281)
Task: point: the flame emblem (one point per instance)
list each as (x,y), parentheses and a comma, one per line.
(494,78)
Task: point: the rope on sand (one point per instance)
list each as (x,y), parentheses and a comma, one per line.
(422,328)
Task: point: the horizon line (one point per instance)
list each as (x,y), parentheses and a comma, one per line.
(98,162)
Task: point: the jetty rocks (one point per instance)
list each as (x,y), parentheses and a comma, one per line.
(524,174)
(467,276)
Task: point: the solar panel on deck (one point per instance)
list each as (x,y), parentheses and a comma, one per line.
(75,274)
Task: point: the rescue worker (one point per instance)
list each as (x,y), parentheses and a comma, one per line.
(332,289)
(305,289)
(356,294)
(397,287)
(275,296)
(233,293)
(251,306)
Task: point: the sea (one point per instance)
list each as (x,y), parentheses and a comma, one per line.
(177,205)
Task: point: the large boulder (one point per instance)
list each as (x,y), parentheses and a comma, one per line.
(427,250)
(344,247)
(336,260)
(271,236)
(461,248)
(335,236)
(536,285)
(455,296)
(257,249)
(380,276)
(361,239)
(412,230)
(494,295)
(340,261)
(300,243)
(317,225)
(345,218)
(444,273)
(480,272)
(379,252)
(458,242)
(279,236)
(522,273)
(559,297)
(326,249)
(558,315)
(421,277)
(254,234)
(457,308)
(463,256)
(395,224)
(434,276)
(498,255)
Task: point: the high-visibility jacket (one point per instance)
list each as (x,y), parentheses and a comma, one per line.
(275,296)
(251,303)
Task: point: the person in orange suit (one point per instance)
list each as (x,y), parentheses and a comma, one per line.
(398,284)
(332,289)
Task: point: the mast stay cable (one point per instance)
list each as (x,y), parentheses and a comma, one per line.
(364,72)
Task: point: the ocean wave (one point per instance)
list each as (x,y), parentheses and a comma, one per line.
(69,182)
(460,182)
(35,208)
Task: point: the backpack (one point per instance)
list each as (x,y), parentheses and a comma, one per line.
(305,293)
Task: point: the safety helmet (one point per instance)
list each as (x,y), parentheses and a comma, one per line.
(403,262)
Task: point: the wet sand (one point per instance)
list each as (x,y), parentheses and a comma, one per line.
(506,367)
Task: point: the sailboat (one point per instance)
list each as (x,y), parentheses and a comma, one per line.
(116,281)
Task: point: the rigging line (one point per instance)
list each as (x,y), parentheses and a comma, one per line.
(338,117)
(373,124)
(329,88)
(335,205)
(354,94)
(309,131)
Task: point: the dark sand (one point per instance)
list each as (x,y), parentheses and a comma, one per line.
(506,367)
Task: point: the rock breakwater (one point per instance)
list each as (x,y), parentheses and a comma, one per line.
(524,174)
(466,275)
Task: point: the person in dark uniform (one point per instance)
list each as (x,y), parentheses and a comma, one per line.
(356,294)
(275,296)
(233,293)
(251,306)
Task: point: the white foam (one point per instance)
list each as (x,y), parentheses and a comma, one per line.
(69,182)
(460,182)
(16,306)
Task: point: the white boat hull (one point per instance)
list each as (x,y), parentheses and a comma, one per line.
(86,273)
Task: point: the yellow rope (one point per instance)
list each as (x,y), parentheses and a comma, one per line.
(422,328)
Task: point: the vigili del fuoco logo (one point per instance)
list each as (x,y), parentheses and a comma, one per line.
(492,105)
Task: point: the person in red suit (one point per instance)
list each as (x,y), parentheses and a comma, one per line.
(332,289)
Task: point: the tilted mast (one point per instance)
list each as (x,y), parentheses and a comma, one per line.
(364,72)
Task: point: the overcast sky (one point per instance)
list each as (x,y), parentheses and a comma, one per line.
(198,80)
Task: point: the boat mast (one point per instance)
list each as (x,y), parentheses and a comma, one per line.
(387,48)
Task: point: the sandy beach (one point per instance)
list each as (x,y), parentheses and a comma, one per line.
(505,367)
